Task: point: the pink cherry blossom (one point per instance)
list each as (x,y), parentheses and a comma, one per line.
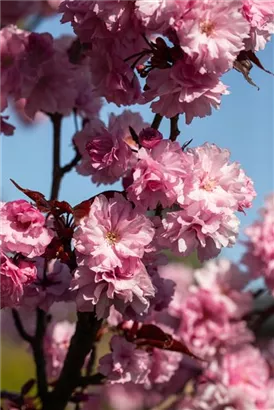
(56,345)
(227,282)
(19,10)
(213,182)
(206,231)
(112,232)
(215,396)
(259,257)
(51,285)
(23,229)
(206,324)
(181,90)
(157,177)
(5,127)
(212,34)
(53,89)
(149,137)
(13,280)
(114,78)
(247,371)
(106,152)
(128,288)
(159,14)
(13,44)
(125,363)
(163,365)
(92,19)
(260,15)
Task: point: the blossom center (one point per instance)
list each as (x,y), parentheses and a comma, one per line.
(207,27)
(112,237)
(209,185)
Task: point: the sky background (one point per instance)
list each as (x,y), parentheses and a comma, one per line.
(244,125)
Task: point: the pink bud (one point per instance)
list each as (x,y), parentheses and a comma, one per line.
(149,137)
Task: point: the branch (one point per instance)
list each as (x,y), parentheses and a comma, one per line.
(72,163)
(38,354)
(91,380)
(56,120)
(58,172)
(36,343)
(81,344)
(156,121)
(20,328)
(174,130)
(261,317)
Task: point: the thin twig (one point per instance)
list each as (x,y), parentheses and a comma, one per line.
(39,357)
(56,174)
(91,380)
(20,328)
(72,163)
(174,130)
(156,121)
(58,171)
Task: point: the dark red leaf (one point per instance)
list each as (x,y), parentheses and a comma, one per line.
(36,196)
(252,57)
(27,387)
(151,332)
(243,65)
(61,206)
(153,336)
(81,210)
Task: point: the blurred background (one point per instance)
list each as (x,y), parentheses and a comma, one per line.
(244,125)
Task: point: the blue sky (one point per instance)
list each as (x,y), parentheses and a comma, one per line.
(244,125)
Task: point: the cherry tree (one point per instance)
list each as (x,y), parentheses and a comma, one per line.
(179,338)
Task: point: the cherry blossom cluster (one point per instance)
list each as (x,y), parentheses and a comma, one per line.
(186,338)
(180,47)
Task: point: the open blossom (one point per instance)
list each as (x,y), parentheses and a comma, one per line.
(125,363)
(106,151)
(23,229)
(182,91)
(163,365)
(13,280)
(56,343)
(213,182)
(227,282)
(149,137)
(157,176)
(212,34)
(128,288)
(159,14)
(51,285)
(247,371)
(216,396)
(206,231)
(5,127)
(206,324)
(114,77)
(112,232)
(13,44)
(259,257)
(260,15)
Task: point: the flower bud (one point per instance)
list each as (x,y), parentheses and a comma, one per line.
(149,137)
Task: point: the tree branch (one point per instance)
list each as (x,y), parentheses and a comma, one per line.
(81,344)
(56,120)
(156,121)
(38,354)
(58,172)
(174,130)
(20,328)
